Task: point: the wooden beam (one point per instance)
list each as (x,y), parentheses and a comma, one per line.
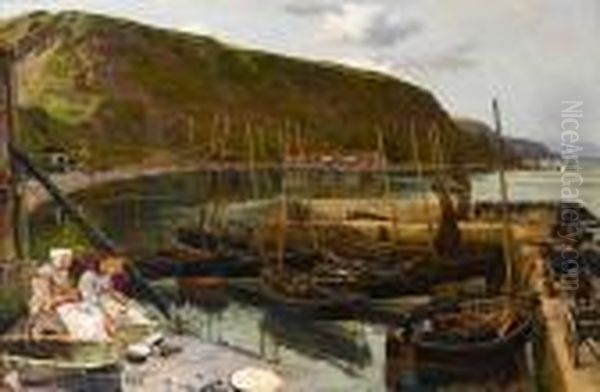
(7,245)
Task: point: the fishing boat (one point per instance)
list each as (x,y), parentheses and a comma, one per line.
(50,362)
(213,241)
(194,257)
(480,332)
(304,282)
(483,332)
(56,353)
(303,293)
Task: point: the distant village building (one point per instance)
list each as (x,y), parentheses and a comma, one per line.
(327,159)
(348,161)
(550,164)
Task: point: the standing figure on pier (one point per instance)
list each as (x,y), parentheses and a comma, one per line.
(463,189)
(448,237)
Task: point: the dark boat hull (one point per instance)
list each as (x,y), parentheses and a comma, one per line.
(337,306)
(387,280)
(487,354)
(226,267)
(450,351)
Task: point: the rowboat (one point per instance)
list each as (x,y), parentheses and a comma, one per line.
(56,352)
(305,294)
(478,332)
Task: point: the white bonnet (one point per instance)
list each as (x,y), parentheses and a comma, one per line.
(58,255)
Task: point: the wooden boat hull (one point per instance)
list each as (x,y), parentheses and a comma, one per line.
(61,355)
(445,353)
(57,354)
(102,373)
(391,275)
(488,354)
(227,267)
(330,308)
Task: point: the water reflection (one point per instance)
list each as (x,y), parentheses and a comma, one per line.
(343,344)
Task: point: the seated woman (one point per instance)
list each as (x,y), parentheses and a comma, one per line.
(85,319)
(50,288)
(114,302)
(115,268)
(102,308)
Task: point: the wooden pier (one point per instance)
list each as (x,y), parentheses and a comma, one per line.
(567,350)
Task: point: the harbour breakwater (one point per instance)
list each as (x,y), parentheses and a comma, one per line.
(35,195)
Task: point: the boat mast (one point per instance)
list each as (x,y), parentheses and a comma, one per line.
(417,159)
(506,230)
(383,166)
(436,165)
(252,160)
(222,174)
(283,200)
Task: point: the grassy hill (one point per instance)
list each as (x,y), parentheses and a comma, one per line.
(116,92)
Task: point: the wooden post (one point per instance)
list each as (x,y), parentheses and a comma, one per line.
(7,244)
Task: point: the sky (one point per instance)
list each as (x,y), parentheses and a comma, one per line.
(530,54)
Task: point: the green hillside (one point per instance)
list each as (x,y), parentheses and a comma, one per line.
(116,92)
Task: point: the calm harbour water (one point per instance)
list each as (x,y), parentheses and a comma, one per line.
(141,215)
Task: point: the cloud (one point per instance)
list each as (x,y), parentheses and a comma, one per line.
(310,9)
(369,24)
(439,62)
(369,63)
(450,59)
